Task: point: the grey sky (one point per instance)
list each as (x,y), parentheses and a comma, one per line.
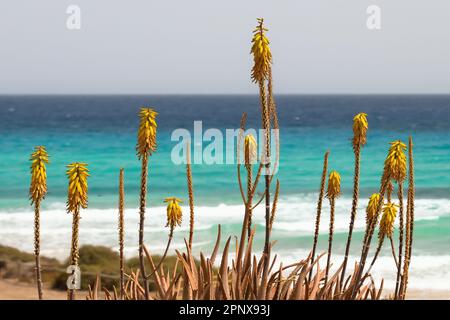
(202,46)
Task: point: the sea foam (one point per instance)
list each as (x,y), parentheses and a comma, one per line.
(295,219)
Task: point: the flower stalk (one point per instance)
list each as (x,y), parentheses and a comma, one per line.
(409,220)
(386,230)
(262,58)
(360,127)
(250,155)
(77,198)
(38,190)
(190,193)
(394,169)
(121,232)
(174,218)
(319,210)
(146,145)
(333,192)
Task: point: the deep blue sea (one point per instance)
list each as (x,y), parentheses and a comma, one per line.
(101,131)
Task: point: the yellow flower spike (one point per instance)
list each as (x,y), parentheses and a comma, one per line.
(360,127)
(262,57)
(38,186)
(250,149)
(372,206)
(146,139)
(395,163)
(174,213)
(387,220)
(78,187)
(334,185)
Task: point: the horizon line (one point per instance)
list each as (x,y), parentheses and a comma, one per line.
(229,94)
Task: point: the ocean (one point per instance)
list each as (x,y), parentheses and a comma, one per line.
(101,131)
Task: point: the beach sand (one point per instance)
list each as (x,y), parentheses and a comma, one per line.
(427,294)
(13,290)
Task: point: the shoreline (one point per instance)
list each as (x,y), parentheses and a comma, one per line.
(12,289)
(427,294)
(20,286)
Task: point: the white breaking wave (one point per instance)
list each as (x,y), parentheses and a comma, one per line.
(295,217)
(426,272)
(297,214)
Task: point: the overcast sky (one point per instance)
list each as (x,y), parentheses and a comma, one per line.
(202,46)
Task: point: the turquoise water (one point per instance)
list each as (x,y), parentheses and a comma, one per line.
(299,172)
(101,130)
(106,140)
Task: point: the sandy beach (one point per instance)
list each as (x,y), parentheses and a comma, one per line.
(426,294)
(11,289)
